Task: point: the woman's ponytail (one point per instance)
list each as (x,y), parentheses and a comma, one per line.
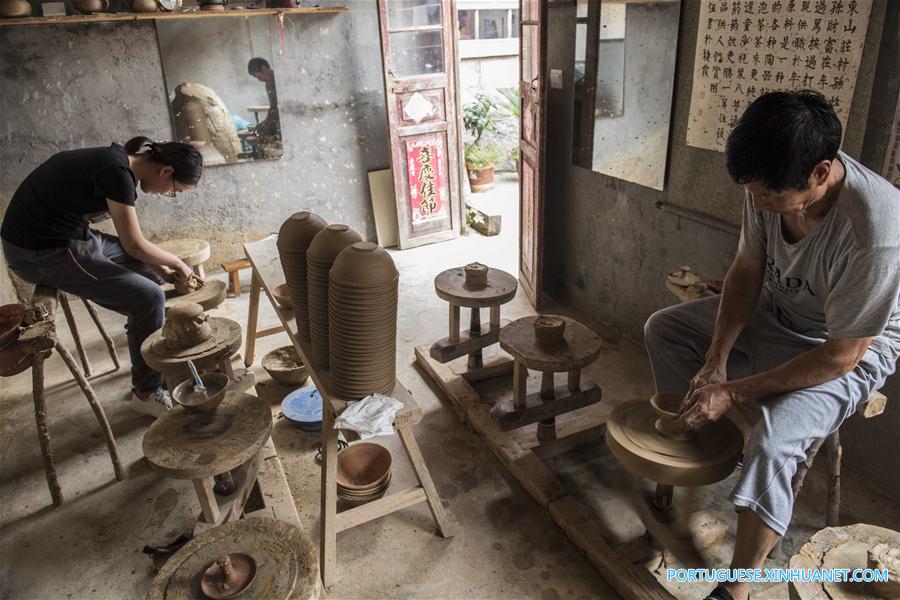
(185,159)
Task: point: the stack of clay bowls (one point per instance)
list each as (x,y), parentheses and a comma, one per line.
(362,321)
(363,472)
(324,248)
(294,238)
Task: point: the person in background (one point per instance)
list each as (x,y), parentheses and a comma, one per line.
(47,238)
(808,323)
(259,69)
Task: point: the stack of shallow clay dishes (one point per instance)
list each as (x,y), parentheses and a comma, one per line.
(294,237)
(324,248)
(362,321)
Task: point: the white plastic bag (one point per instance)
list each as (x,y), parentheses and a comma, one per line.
(370,417)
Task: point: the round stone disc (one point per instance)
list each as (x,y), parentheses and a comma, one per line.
(581,347)
(226,339)
(708,456)
(187,445)
(450,285)
(211,295)
(286,563)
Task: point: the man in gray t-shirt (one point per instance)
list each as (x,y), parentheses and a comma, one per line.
(808,323)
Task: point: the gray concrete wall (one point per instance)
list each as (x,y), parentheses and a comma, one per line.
(608,248)
(85,85)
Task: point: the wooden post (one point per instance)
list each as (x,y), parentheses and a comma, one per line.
(209,506)
(110,345)
(520,380)
(454,323)
(252,316)
(834,450)
(40,416)
(475,358)
(73,329)
(328,541)
(421,470)
(495,318)
(88,391)
(547,386)
(574,380)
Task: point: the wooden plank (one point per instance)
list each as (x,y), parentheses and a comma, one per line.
(561,445)
(328,532)
(208,503)
(167,16)
(231,507)
(455,387)
(445,349)
(498,365)
(252,318)
(421,470)
(379,508)
(537,407)
(566,426)
(594,541)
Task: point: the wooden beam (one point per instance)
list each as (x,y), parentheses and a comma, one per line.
(537,407)
(445,349)
(168,16)
(379,508)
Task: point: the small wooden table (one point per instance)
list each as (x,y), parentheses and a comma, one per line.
(267,273)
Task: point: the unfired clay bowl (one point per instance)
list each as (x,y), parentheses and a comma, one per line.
(666,405)
(216,385)
(284,366)
(329,242)
(298,231)
(282,295)
(363,466)
(364,265)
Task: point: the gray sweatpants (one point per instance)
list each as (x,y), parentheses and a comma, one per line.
(786,425)
(99,269)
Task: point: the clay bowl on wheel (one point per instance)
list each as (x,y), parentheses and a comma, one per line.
(284,366)
(362,466)
(282,295)
(666,405)
(216,385)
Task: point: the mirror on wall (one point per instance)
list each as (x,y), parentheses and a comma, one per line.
(624,77)
(220,84)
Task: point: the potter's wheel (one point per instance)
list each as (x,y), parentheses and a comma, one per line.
(285,561)
(226,337)
(211,295)
(704,457)
(188,445)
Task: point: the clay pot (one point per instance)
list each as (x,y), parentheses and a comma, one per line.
(216,385)
(294,237)
(282,295)
(87,7)
(284,366)
(320,256)
(362,321)
(476,275)
(549,330)
(480,180)
(144,6)
(10,9)
(666,406)
(362,466)
(186,325)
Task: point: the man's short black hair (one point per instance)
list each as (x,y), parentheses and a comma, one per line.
(780,138)
(257,64)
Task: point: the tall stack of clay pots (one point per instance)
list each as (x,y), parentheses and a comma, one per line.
(324,248)
(363,321)
(294,238)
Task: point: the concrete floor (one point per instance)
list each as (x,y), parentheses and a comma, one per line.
(505,547)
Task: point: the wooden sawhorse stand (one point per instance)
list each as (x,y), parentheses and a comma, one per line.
(267,273)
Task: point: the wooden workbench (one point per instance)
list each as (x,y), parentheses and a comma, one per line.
(267,274)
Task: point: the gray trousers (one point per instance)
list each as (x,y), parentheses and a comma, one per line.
(786,425)
(99,269)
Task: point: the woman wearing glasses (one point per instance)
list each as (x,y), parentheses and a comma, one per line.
(47,238)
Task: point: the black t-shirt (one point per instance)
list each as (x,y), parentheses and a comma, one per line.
(58,200)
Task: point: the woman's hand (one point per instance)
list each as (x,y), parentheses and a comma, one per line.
(183,272)
(709,404)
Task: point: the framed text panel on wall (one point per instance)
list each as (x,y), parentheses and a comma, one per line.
(745,49)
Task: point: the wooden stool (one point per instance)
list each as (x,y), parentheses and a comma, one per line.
(193,252)
(38,340)
(580,348)
(233,268)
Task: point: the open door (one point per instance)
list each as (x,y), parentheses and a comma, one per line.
(532,136)
(418,50)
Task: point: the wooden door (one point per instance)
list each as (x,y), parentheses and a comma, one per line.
(418,43)
(532,134)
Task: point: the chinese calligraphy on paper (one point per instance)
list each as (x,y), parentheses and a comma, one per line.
(748,47)
(427,180)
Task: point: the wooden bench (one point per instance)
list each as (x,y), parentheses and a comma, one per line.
(233,268)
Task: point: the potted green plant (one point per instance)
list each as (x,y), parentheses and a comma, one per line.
(480,159)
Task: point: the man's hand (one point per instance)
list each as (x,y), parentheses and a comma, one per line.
(708,375)
(708,404)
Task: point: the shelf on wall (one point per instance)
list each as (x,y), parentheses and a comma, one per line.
(162,16)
